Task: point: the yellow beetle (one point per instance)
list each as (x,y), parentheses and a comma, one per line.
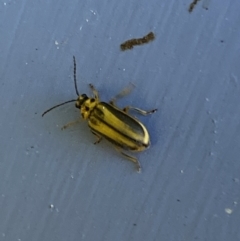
(106,120)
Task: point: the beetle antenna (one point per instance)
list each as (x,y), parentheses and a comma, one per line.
(74,74)
(45,112)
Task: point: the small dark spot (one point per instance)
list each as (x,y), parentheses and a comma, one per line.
(152,111)
(134,224)
(222,41)
(178,200)
(87,108)
(235,179)
(36,49)
(92,100)
(35,113)
(32,147)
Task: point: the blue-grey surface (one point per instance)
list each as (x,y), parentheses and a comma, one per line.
(57,185)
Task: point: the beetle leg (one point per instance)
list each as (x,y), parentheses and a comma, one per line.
(142,112)
(131,158)
(98,136)
(70,124)
(123,93)
(95,92)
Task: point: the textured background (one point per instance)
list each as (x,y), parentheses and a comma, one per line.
(56,185)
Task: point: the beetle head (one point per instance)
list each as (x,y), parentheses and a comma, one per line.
(86,105)
(81,100)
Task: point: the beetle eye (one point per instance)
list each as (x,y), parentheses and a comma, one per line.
(92,100)
(87,108)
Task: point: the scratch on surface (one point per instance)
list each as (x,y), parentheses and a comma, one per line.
(14,29)
(192,5)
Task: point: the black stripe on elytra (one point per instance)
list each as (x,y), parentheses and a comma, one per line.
(99,116)
(124,117)
(115,142)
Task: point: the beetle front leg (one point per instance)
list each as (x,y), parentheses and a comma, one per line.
(142,112)
(131,158)
(70,124)
(98,136)
(95,92)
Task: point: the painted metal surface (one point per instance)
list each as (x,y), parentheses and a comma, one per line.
(54,185)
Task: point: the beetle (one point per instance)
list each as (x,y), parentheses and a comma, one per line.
(107,121)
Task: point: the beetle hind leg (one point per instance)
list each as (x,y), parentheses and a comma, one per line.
(140,111)
(131,158)
(99,138)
